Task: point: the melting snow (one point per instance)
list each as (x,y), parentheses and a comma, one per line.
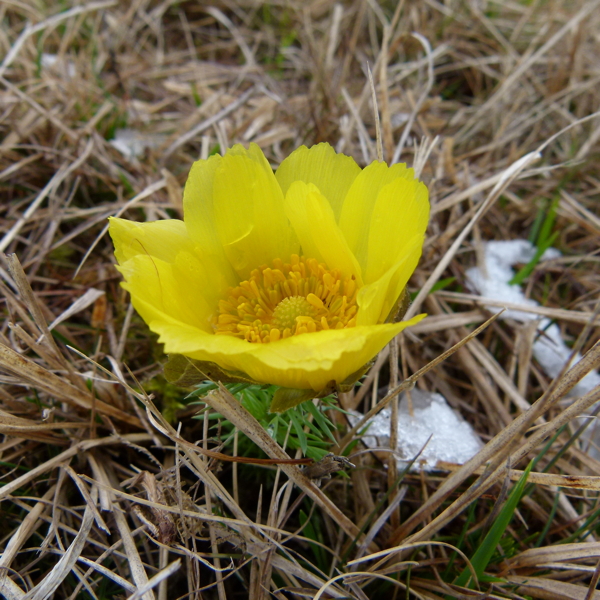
(434,427)
(549,348)
(52,61)
(132,144)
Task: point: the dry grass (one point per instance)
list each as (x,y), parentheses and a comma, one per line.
(102,494)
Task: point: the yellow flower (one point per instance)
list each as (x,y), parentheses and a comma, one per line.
(287,278)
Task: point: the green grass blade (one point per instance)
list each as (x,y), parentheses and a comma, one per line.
(322,421)
(523,273)
(484,553)
(299,427)
(542,237)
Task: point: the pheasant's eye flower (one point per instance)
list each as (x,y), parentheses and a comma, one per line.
(285,278)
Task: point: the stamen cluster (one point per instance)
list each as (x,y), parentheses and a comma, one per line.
(302,296)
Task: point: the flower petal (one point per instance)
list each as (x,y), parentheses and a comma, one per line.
(248,211)
(184,290)
(161,239)
(314,223)
(400,214)
(199,215)
(332,173)
(359,204)
(309,361)
(376,299)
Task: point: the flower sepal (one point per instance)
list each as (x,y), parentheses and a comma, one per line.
(187,372)
(400,308)
(350,381)
(286,398)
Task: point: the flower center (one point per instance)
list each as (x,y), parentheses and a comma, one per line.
(302,296)
(285,313)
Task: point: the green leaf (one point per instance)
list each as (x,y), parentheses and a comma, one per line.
(484,553)
(537,224)
(254,401)
(530,266)
(299,427)
(322,421)
(442,284)
(541,235)
(273,427)
(548,224)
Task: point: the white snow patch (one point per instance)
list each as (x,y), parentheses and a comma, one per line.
(549,349)
(132,144)
(434,427)
(400,118)
(53,62)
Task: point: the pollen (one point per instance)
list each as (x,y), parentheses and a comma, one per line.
(302,296)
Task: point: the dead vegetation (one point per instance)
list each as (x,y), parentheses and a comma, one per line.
(105,493)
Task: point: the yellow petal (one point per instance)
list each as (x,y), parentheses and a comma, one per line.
(248,211)
(309,361)
(184,290)
(161,239)
(253,151)
(376,299)
(332,173)
(169,263)
(400,214)
(199,214)
(359,204)
(320,237)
